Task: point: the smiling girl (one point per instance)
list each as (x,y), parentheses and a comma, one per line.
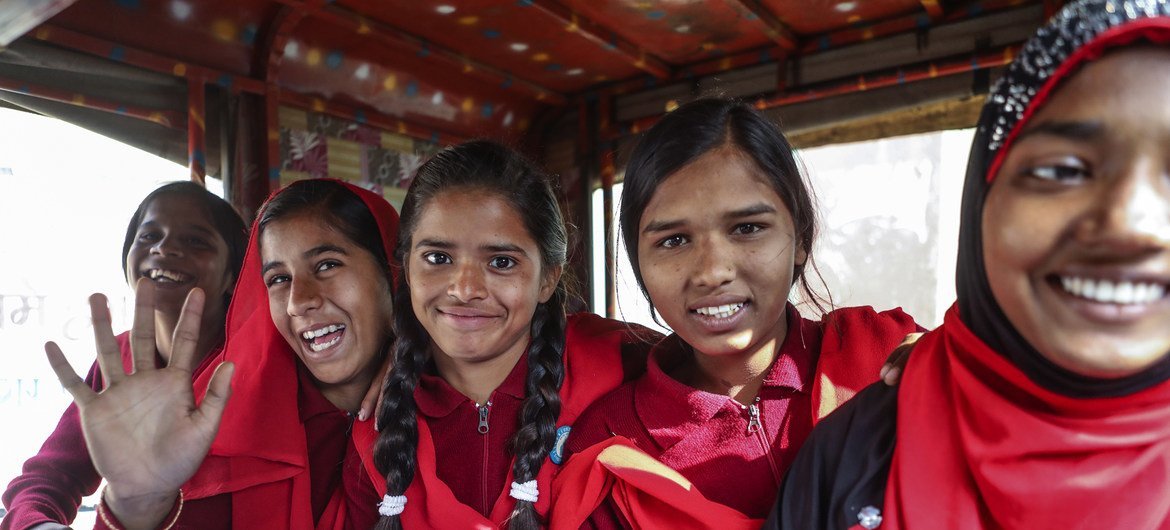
(180,237)
(308,329)
(719,226)
(488,370)
(1043,400)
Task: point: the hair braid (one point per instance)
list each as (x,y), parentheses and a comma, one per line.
(542,405)
(396,448)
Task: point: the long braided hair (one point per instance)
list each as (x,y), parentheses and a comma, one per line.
(492,168)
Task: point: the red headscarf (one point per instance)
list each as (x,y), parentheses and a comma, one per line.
(989,433)
(260,454)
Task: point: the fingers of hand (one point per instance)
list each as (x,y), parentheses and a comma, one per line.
(218,391)
(892,375)
(372,401)
(142,341)
(69,379)
(109,355)
(186,337)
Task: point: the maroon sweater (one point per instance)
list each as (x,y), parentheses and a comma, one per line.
(475,464)
(735,456)
(52,483)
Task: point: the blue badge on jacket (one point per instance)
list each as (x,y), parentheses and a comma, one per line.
(557,454)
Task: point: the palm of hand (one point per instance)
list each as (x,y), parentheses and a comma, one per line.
(144,432)
(161,437)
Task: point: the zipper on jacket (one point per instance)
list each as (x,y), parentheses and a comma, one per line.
(754,416)
(755,427)
(484,411)
(482,428)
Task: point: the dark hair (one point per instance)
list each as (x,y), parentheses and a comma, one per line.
(223,217)
(697,128)
(337,206)
(492,168)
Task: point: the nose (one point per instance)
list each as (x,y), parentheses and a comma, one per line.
(167,245)
(714,264)
(1133,209)
(468,283)
(304,296)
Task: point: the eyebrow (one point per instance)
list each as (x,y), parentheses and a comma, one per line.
(198,228)
(755,209)
(311,253)
(1082,131)
(490,247)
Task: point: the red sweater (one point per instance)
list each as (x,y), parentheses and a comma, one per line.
(334,468)
(53,482)
(474,465)
(462,476)
(734,455)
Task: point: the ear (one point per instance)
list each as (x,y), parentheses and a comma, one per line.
(548,284)
(230,284)
(800,258)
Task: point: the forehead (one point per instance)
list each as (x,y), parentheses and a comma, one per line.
(721,180)
(1125,90)
(471,217)
(288,237)
(174,207)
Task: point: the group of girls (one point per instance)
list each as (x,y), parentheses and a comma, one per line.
(1042,400)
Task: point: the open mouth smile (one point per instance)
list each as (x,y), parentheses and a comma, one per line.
(166,276)
(1105,291)
(323,338)
(720,311)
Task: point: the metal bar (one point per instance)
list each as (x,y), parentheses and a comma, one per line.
(166,118)
(270,57)
(603,37)
(773,27)
(818,43)
(144,59)
(197,130)
(1000,57)
(608,175)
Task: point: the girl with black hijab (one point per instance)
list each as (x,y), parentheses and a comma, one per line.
(1042,401)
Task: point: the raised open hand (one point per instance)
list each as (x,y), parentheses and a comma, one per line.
(145,434)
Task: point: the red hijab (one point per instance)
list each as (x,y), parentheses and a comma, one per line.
(989,433)
(260,455)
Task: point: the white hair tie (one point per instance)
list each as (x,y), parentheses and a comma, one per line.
(524,492)
(391,505)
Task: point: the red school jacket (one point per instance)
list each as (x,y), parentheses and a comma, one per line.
(728,459)
(593,366)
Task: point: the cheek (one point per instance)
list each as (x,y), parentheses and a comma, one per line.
(276,309)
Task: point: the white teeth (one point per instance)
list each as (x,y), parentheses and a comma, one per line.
(166,275)
(721,311)
(310,335)
(1109,292)
(320,347)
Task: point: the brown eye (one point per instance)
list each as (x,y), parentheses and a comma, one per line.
(1068,171)
(674,241)
(502,263)
(436,258)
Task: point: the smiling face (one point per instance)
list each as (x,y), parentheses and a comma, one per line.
(475,277)
(178,248)
(1076,227)
(717,252)
(330,300)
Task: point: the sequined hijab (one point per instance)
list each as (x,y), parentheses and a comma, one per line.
(989,434)
(1081,32)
